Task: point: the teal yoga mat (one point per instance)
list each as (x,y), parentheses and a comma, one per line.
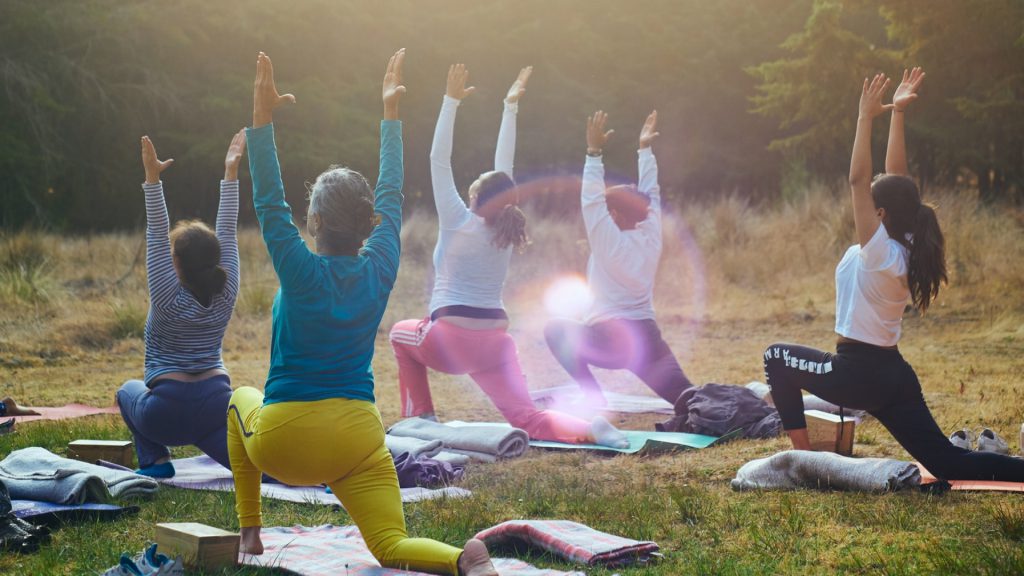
(639,440)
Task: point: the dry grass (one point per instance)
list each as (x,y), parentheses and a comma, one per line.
(734,278)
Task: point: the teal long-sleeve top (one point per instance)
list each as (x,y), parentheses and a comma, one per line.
(326,313)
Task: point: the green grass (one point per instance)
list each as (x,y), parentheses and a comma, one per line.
(766,276)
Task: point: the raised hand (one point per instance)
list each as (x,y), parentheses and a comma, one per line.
(457,76)
(234,155)
(906,92)
(151,163)
(649,132)
(871,96)
(265,96)
(596,136)
(519,86)
(393,89)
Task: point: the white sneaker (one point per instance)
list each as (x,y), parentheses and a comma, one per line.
(989,441)
(962,438)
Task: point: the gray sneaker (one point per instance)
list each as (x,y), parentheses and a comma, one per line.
(989,441)
(962,439)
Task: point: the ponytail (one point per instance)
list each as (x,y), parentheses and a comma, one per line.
(509,228)
(927,267)
(207,283)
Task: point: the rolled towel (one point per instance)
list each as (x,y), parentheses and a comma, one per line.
(412,446)
(474,440)
(38,474)
(826,470)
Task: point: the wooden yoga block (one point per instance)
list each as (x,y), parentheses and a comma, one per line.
(201,547)
(829,433)
(116,451)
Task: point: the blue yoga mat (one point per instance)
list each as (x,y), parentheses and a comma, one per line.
(33,508)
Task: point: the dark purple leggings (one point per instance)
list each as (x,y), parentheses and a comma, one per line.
(878,380)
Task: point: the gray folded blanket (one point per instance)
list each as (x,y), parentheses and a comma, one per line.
(485,442)
(38,474)
(804,469)
(424,449)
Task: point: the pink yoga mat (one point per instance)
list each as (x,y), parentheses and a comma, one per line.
(63,412)
(984,485)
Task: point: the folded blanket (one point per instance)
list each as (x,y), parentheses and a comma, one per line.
(332,550)
(38,474)
(412,446)
(804,469)
(478,441)
(570,540)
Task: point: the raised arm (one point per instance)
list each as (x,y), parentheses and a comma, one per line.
(451,209)
(505,152)
(160,275)
(384,243)
(647,165)
(865,217)
(896,151)
(227,212)
(293,262)
(602,232)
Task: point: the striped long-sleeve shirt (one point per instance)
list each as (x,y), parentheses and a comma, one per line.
(182,335)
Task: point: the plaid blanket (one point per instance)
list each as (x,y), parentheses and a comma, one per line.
(332,550)
(570,540)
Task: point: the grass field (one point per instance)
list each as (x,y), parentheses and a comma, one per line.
(734,279)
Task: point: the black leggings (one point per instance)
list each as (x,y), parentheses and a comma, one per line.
(878,380)
(635,345)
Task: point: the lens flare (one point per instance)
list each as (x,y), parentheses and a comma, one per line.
(568,297)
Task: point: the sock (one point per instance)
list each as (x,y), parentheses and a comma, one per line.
(165,470)
(607,435)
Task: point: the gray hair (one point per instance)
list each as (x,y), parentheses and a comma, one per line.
(344,203)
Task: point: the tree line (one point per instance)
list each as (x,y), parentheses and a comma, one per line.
(755,99)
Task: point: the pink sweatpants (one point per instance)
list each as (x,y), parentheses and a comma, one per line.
(491,360)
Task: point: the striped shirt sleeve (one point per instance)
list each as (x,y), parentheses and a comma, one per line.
(161,277)
(227,234)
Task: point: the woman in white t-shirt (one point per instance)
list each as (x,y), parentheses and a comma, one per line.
(467,329)
(900,256)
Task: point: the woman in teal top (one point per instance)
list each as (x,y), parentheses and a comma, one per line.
(317,422)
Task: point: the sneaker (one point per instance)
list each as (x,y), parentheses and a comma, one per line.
(126,567)
(152,563)
(42,533)
(962,439)
(989,441)
(14,539)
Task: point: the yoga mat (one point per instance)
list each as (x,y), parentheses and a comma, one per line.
(50,513)
(340,550)
(64,412)
(204,473)
(567,398)
(639,441)
(971,485)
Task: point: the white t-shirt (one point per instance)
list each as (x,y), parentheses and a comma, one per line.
(872,290)
(623,263)
(469,270)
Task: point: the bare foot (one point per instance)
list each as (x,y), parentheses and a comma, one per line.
(14,410)
(251,543)
(475,561)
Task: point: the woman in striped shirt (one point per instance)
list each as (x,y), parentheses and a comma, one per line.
(193,281)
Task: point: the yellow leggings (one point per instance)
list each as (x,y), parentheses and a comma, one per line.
(339,442)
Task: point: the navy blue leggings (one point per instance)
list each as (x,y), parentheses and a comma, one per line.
(176,413)
(878,380)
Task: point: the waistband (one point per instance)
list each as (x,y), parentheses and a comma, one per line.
(864,349)
(469,312)
(215,379)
